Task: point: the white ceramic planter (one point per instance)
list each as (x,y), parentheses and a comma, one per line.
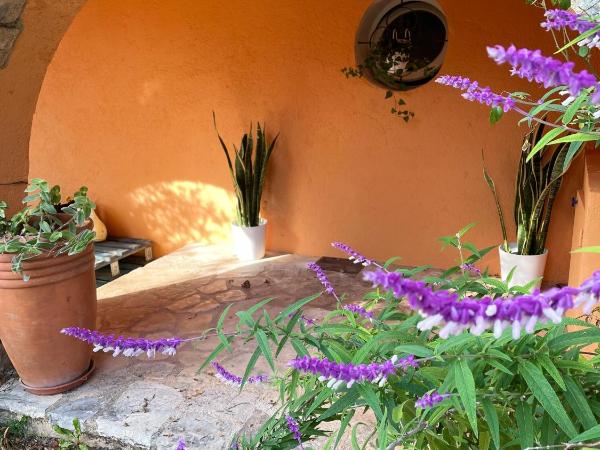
(249,242)
(527,267)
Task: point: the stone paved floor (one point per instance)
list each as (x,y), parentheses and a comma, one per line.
(149,404)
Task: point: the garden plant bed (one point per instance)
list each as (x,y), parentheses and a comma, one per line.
(149,404)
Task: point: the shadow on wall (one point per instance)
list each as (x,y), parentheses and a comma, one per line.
(176,213)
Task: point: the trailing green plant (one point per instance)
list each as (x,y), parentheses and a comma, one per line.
(71,439)
(451,379)
(538,182)
(248,169)
(44,226)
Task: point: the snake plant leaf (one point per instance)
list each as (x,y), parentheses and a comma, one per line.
(500,212)
(247,166)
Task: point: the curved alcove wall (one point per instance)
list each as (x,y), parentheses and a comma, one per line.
(126,108)
(43,25)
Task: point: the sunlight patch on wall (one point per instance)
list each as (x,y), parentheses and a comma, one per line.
(179,212)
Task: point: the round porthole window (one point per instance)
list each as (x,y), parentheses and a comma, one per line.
(400,44)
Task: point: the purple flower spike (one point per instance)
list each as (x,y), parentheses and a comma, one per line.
(430,400)
(338,374)
(353,255)
(294,428)
(470,268)
(550,72)
(181,444)
(474,93)
(357,309)
(307,320)
(322,278)
(229,378)
(454,315)
(589,293)
(129,347)
(557,19)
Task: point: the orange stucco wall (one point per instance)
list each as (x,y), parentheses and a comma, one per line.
(126,109)
(44,24)
(586,232)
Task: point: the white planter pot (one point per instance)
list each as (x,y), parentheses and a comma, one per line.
(249,242)
(527,267)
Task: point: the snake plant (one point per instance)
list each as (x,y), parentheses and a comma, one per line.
(248,167)
(539,178)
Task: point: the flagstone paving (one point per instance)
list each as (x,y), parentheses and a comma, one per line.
(149,404)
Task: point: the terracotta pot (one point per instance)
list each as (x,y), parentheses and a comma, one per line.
(60,293)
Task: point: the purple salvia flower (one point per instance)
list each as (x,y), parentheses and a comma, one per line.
(181,444)
(470,268)
(474,93)
(430,400)
(550,72)
(353,255)
(455,315)
(322,278)
(589,293)
(120,345)
(347,373)
(229,378)
(557,19)
(307,320)
(357,309)
(294,428)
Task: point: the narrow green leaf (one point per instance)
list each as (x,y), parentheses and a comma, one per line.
(549,367)
(343,426)
(263,343)
(341,404)
(220,333)
(413,349)
(259,305)
(382,432)
(465,384)
(589,435)
(491,417)
(464,230)
(576,137)
(575,338)
(368,394)
(295,307)
(540,144)
(579,404)
(544,394)
(592,249)
(573,108)
(250,366)
(581,37)
(218,349)
(500,366)
(524,418)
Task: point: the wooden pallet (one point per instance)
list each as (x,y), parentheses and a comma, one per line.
(115,249)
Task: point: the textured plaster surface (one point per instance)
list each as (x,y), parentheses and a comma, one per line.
(126,107)
(149,404)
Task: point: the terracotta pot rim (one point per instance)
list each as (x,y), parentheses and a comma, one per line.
(62,387)
(45,269)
